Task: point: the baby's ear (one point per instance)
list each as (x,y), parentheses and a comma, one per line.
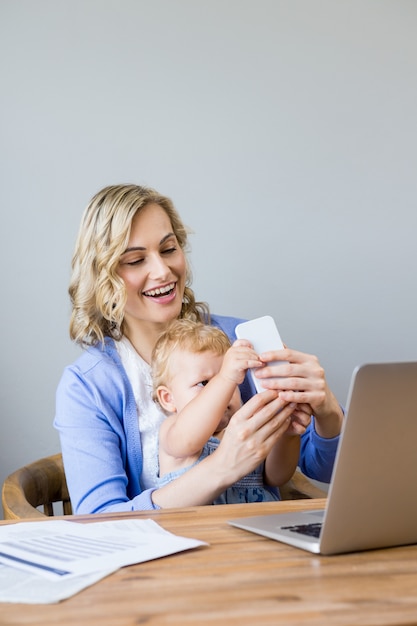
(165,399)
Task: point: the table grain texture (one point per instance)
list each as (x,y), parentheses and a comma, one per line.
(239,579)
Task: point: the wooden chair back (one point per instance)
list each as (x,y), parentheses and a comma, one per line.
(41,483)
(300,487)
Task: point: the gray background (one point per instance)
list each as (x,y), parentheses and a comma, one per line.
(284,131)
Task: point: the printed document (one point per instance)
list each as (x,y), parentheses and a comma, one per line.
(74,555)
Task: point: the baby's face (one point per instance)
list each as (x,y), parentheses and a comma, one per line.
(190,374)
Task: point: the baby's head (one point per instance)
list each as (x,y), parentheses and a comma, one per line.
(187,355)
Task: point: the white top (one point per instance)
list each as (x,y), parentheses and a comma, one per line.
(151,415)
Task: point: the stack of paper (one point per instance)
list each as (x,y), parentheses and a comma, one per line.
(45,562)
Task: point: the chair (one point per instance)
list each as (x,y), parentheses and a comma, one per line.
(43,483)
(299,487)
(38,484)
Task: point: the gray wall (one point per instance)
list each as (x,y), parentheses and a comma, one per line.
(285,132)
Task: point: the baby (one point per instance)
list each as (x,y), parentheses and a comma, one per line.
(196,374)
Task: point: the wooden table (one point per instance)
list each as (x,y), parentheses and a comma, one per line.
(240,579)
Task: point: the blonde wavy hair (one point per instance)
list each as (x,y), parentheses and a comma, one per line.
(98,294)
(188,335)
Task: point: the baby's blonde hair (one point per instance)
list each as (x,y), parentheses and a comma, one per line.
(184,334)
(97,292)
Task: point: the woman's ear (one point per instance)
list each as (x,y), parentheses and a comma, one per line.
(165,399)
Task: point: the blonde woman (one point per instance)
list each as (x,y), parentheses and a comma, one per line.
(130,279)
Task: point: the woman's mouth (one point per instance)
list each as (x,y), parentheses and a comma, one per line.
(160,292)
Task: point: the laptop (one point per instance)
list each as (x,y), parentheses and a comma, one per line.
(372,499)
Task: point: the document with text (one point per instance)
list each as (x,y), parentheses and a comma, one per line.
(73,555)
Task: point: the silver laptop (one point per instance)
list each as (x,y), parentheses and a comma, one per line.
(372,500)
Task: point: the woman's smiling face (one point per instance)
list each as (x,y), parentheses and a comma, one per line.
(153,268)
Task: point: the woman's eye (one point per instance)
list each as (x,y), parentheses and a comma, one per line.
(169,250)
(135,262)
(203,383)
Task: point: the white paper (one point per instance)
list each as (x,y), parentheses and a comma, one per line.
(19,586)
(48,561)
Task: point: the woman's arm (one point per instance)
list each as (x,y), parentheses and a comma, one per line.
(250,436)
(317,452)
(282,461)
(302,380)
(97,421)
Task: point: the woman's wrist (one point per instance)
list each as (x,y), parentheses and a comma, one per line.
(199,485)
(328,422)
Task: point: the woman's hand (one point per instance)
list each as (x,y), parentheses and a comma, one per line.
(251,434)
(300,379)
(300,419)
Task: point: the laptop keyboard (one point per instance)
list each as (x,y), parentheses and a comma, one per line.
(311,530)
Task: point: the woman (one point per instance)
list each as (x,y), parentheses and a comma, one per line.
(130,278)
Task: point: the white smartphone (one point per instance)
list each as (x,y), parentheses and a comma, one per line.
(264,336)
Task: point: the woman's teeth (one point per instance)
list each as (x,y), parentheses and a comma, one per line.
(160,291)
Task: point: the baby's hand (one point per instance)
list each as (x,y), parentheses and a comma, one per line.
(237,360)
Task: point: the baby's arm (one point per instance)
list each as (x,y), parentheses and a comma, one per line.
(185,433)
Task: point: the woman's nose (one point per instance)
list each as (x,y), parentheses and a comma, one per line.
(159,268)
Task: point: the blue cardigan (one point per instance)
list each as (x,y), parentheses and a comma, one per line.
(97,420)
